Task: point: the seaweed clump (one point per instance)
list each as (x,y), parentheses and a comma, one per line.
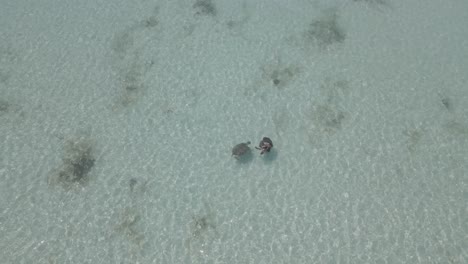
(280,77)
(205,7)
(326,31)
(374,2)
(77,163)
(4,106)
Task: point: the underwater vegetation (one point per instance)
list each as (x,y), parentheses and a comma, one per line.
(328,117)
(325,31)
(124,44)
(150,22)
(414,136)
(280,75)
(202,232)
(77,163)
(457,128)
(281,120)
(373,2)
(378,5)
(9,57)
(205,8)
(4,106)
(132,182)
(128,226)
(132,66)
(446,102)
(200,224)
(11,109)
(4,76)
(131,84)
(276,74)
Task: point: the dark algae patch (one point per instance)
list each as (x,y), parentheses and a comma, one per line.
(328,117)
(129,226)
(201,224)
(373,2)
(79,168)
(281,77)
(202,232)
(205,7)
(77,164)
(130,63)
(326,31)
(4,106)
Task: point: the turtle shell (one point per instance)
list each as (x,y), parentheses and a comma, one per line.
(241,149)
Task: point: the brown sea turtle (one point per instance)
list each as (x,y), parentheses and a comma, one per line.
(241,149)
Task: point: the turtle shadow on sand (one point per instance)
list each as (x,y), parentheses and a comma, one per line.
(245,158)
(271,156)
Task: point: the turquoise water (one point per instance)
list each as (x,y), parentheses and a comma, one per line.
(118,122)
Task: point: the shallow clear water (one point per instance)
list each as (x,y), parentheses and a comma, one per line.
(117,122)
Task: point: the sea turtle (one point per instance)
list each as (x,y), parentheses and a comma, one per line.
(241,149)
(265,145)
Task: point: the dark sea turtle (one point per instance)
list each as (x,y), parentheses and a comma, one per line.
(265,145)
(241,149)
